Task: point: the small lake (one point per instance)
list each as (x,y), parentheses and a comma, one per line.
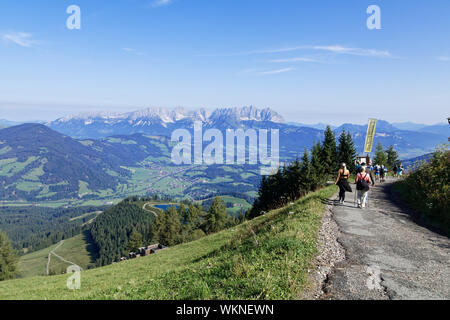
(164,207)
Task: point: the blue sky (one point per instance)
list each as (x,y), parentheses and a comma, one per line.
(311,61)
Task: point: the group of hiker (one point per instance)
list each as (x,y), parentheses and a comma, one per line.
(366,175)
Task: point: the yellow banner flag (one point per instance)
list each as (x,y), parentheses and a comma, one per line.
(370,135)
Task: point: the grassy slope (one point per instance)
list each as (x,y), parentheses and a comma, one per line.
(266,258)
(76,249)
(402,189)
(34,264)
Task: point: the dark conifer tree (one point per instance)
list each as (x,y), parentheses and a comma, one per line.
(306,173)
(135,242)
(392,158)
(318,168)
(192,216)
(216,217)
(294,179)
(8,259)
(167,227)
(351,165)
(346,151)
(329,152)
(182,213)
(380,155)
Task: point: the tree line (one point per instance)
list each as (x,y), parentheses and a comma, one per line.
(34,228)
(388,157)
(188,223)
(305,175)
(112,229)
(127,226)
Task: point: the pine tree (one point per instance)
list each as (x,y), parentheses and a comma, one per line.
(217,216)
(329,152)
(392,158)
(8,259)
(351,165)
(307,179)
(380,155)
(347,151)
(167,227)
(265,200)
(293,174)
(317,164)
(182,212)
(135,242)
(192,217)
(173,227)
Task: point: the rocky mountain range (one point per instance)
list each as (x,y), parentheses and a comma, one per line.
(409,139)
(159,121)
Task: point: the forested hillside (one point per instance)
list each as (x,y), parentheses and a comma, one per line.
(135,222)
(35,228)
(37,163)
(111,231)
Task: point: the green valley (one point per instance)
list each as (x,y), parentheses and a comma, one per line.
(56,170)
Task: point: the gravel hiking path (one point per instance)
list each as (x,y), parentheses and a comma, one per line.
(149,210)
(389,253)
(59,257)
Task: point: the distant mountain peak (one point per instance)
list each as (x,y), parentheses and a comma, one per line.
(248,113)
(165,115)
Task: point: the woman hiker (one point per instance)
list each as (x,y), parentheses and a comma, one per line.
(362,186)
(342,182)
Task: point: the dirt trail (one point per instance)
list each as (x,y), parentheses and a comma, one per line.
(59,257)
(388,254)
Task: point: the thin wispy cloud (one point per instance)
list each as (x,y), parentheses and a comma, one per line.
(354,51)
(22,39)
(253,52)
(296,59)
(133,51)
(336,49)
(277,71)
(443,58)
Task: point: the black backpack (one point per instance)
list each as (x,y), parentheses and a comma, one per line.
(362,184)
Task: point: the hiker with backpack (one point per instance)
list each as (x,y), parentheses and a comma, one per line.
(370,171)
(362,187)
(342,182)
(376,169)
(382,173)
(400,170)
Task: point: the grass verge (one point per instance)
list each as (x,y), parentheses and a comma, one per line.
(403,191)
